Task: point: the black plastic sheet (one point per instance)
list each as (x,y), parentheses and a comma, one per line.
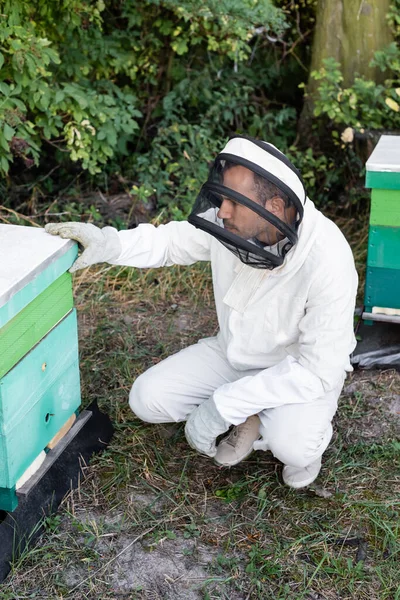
(378,346)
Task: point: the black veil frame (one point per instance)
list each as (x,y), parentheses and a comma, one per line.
(230,239)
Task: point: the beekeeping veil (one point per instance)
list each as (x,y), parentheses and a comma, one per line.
(253,233)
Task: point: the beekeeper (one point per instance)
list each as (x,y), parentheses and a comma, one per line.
(284,285)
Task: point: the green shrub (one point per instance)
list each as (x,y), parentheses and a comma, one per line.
(46,92)
(364,105)
(79,75)
(194,128)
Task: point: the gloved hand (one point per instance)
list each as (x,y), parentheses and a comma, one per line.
(100,245)
(203,427)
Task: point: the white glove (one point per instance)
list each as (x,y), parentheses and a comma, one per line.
(100,245)
(203,427)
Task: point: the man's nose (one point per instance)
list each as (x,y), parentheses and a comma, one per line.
(226,209)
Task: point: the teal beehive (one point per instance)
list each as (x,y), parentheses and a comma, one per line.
(39,368)
(382,286)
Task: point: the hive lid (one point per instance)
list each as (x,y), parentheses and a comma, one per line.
(30,260)
(383,166)
(386,155)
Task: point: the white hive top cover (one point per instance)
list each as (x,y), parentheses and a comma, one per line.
(25,252)
(386,155)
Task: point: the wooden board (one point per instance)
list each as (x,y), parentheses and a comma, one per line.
(386,181)
(382,287)
(20,446)
(31,260)
(22,385)
(61,432)
(31,470)
(385,208)
(384,247)
(37,397)
(30,325)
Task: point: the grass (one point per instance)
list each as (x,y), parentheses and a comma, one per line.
(153,519)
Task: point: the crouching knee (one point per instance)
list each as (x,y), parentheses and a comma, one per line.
(142,399)
(298,452)
(292,457)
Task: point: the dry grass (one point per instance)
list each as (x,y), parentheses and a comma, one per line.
(154,520)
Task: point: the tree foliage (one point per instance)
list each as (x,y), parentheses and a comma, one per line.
(78,75)
(147,92)
(367,107)
(364,105)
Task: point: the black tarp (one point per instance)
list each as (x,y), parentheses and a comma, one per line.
(378,346)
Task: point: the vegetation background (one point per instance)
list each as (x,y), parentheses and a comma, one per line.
(100,98)
(111,111)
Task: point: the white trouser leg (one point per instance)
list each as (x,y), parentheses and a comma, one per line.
(298,434)
(171,390)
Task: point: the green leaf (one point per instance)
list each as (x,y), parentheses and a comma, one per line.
(1,60)
(44,101)
(102,134)
(4,88)
(59,97)
(8,132)
(4,164)
(4,143)
(180,46)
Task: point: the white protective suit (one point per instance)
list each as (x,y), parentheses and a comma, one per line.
(285,336)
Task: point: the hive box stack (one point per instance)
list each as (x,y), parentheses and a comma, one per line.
(39,368)
(382,287)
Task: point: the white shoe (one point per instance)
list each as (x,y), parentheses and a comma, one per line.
(297,478)
(238,445)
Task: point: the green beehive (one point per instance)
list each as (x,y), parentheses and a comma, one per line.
(382,287)
(39,369)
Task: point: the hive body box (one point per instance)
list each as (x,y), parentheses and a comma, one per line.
(39,369)
(382,287)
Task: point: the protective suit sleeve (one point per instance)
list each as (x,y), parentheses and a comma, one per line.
(325,342)
(177,242)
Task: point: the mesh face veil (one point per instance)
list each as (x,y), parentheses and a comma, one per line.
(252,202)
